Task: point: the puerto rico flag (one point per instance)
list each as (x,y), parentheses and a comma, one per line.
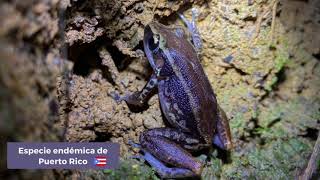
(100,161)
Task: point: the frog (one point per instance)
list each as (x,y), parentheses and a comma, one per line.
(187,101)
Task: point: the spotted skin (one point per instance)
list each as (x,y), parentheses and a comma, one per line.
(187,102)
(166,172)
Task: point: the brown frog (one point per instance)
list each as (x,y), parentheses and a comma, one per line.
(187,101)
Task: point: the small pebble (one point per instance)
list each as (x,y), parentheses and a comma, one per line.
(228,59)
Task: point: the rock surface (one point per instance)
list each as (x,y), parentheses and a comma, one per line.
(62,61)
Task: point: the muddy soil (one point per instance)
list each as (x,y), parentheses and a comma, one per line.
(64,60)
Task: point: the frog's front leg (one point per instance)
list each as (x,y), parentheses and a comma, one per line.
(193,29)
(163,144)
(139,99)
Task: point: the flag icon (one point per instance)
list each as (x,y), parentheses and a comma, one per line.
(100,161)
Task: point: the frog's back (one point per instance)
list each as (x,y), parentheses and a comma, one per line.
(187,97)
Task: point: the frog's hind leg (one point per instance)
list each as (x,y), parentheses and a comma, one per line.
(164,171)
(222,138)
(184,140)
(193,29)
(169,152)
(139,99)
(160,167)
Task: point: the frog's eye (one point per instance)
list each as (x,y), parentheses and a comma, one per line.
(154,43)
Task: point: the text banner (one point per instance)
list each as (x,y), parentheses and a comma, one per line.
(62,155)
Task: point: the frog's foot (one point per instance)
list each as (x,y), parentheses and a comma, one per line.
(133,100)
(160,168)
(192,27)
(116,96)
(164,171)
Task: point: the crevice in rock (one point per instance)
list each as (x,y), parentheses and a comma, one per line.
(317,56)
(102,137)
(86,58)
(275,121)
(119,59)
(311,133)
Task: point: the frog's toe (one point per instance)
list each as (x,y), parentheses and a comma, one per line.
(117,97)
(184,19)
(192,27)
(133,144)
(136,145)
(195,14)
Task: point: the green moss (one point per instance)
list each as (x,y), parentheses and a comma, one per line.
(269,84)
(288,119)
(235,170)
(245,10)
(238,125)
(213,168)
(131,169)
(264,36)
(232,35)
(280,60)
(269,134)
(278,160)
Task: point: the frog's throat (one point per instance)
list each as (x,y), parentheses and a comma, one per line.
(147,35)
(185,87)
(162,45)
